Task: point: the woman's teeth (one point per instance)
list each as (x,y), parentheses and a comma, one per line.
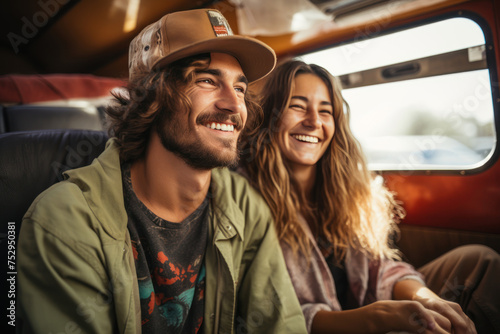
(307,139)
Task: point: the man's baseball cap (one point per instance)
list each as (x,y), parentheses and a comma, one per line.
(181,34)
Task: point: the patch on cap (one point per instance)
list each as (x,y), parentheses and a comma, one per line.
(219,24)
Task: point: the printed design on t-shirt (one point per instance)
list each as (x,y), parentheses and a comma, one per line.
(134,250)
(174,309)
(173,273)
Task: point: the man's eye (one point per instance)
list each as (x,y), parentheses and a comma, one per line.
(240,89)
(205,80)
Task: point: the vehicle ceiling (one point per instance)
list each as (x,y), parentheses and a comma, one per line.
(76,36)
(80,37)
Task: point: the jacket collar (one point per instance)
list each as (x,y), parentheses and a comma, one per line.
(102,186)
(230,219)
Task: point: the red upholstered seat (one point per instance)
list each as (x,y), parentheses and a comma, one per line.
(22,89)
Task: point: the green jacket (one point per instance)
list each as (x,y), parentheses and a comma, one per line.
(76,271)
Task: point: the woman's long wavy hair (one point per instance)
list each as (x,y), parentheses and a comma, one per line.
(350,207)
(152,99)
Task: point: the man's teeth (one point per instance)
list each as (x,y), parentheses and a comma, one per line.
(220,126)
(307,139)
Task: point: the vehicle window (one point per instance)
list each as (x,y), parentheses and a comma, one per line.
(418,103)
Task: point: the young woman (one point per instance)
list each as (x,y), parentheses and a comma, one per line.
(335,220)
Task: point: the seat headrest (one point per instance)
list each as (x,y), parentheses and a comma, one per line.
(30,162)
(31,118)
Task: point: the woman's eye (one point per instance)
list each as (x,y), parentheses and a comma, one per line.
(327,112)
(296,106)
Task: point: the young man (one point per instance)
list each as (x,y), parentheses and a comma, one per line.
(154,236)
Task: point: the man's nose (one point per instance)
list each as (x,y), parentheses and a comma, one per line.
(230,101)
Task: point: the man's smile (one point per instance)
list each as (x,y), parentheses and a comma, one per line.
(220,126)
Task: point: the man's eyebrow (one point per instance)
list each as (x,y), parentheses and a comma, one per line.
(218,73)
(243,79)
(303,98)
(211,71)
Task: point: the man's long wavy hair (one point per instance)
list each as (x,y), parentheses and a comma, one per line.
(350,208)
(152,99)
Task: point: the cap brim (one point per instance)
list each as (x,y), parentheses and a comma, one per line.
(256,58)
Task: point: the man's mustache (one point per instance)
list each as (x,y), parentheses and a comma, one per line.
(221,117)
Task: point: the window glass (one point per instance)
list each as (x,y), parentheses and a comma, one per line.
(438,116)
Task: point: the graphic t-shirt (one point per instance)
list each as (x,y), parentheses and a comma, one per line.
(169,263)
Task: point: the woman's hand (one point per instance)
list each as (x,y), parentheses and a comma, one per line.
(416,310)
(407,316)
(452,312)
(382,317)
(451,317)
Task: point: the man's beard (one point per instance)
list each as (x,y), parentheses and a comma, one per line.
(193,152)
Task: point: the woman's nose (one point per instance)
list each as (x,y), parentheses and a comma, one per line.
(312,118)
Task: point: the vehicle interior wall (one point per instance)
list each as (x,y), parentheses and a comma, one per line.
(448,210)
